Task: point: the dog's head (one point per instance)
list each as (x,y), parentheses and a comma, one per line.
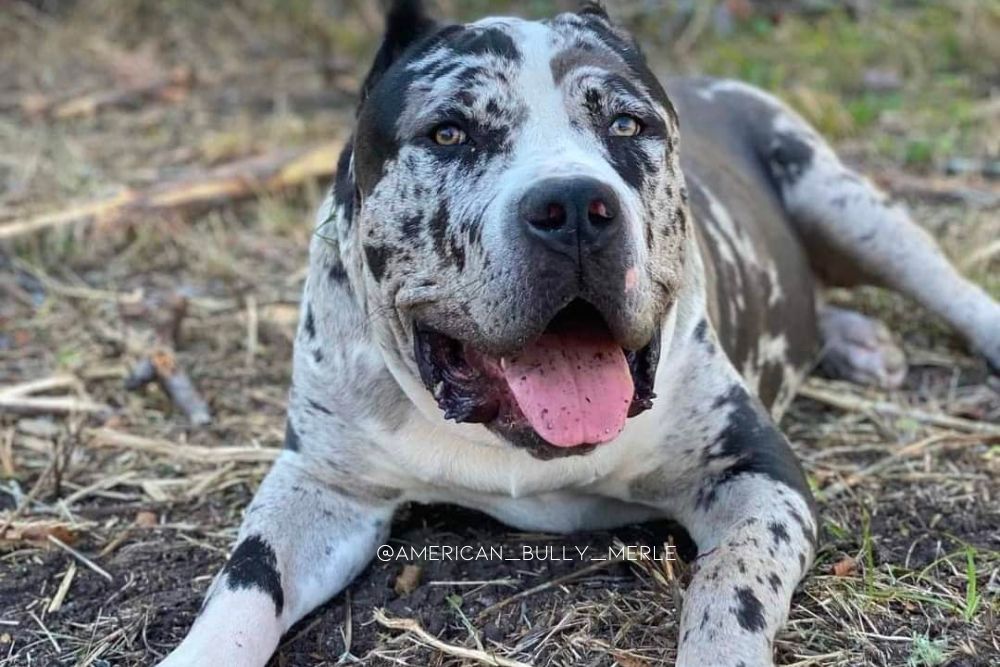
(514,190)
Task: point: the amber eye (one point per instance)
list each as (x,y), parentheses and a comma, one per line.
(624,126)
(448,135)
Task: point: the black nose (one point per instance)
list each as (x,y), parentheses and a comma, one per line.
(571,215)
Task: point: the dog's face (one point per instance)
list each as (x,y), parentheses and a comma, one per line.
(515,192)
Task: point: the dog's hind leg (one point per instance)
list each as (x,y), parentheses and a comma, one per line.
(855,234)
(300,543)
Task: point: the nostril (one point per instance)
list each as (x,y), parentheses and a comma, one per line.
(598,212)
(553,218)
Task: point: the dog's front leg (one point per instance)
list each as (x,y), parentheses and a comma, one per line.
(725,472)
(756,539)
(301,542)
(751,516)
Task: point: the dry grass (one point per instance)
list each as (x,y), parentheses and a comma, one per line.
(907,480)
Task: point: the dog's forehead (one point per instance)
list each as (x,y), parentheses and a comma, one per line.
(497,49)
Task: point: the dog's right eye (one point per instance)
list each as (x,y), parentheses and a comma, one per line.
(448,135)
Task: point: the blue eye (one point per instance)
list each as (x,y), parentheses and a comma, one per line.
(625,126)
(449,135)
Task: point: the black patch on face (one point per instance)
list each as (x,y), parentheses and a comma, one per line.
(377,256)
(319,408)
(343,187)
(488,41)
(627,154)
(458,253)
(583,54)
(310,323)
(380,111)
(749,612)
(629,51)
(439,229)
(405,25)
(790,156)
(292,442)
(758,447)
(383,105)
(775,581)
(254,565)
(337,272)
(411,226)
(631,163)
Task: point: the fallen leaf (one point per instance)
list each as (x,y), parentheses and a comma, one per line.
(36,534)
(146,519)
(845,567)
(408,580)
(626,660)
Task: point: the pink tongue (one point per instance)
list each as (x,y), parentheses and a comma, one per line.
(573,389)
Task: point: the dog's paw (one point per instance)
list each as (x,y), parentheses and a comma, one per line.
(860,349)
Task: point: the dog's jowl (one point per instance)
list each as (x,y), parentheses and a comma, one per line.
(551,288)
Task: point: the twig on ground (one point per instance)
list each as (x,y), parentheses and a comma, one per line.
(853,403)
(107,437)
(42,384)
(169,87)
(46,632)
(412,626)
(30,498)
(162,366)
(80,557)
(64,584)
(558,581)
(912,449)
(237,180)
(50,404)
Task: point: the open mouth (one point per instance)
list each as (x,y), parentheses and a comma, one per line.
(572,386)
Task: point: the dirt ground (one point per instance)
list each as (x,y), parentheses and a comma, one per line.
(115,511)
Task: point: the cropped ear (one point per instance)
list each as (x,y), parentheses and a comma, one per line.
(406,22)
(594,8)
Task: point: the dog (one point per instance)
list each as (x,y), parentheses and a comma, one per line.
(550,288)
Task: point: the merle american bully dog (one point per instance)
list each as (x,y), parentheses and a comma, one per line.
(548,287)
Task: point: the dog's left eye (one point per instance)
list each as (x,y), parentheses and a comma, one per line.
(448,135)
(625,126)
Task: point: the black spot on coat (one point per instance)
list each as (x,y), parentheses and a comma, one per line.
(292,442)
(752,439)
(310,323)
(319,408)
(749,612)
(778,532)
(790,157)
(337,272)
(377,257)
(701,331)
(254,565)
